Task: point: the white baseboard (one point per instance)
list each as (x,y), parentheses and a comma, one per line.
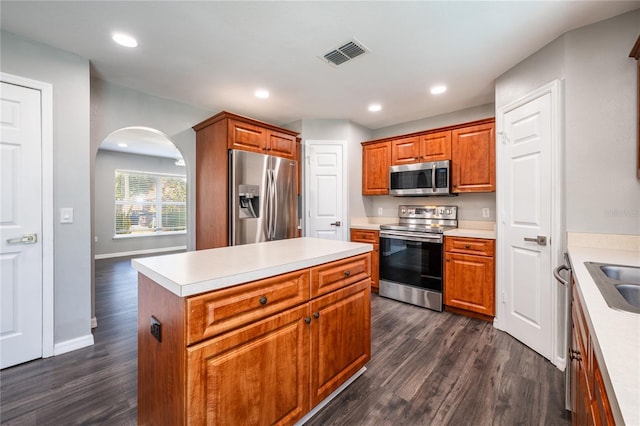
(94,322)
(138,252)
(73,344)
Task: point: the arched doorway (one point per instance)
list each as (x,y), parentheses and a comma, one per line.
(140,200)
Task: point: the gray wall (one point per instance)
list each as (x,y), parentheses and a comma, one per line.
(353,134)
(600,87)
(114,107)
(470,205)
(104,212)
(69,75)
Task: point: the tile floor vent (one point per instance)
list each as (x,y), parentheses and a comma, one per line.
(345,53)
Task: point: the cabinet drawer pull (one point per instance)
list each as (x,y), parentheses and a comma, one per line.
(263,300)
(316,315)
(575,355)
(347,273)
(467,246)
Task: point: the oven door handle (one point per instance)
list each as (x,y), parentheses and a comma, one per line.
(411,236)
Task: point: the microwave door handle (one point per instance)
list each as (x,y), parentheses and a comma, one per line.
(433,178)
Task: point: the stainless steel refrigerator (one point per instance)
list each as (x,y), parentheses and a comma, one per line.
(264,199)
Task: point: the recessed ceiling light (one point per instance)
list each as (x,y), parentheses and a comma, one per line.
(436,90)
(124,40)
(375,107)
(122,145)
(261,94)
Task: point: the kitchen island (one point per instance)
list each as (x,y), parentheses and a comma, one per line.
(255,334)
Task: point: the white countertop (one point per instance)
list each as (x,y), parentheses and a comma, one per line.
(616,334)
(190,273)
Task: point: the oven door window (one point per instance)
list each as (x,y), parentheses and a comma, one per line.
(414,263)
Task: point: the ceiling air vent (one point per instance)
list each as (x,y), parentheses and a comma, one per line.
(345,53)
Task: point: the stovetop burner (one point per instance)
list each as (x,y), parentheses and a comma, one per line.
(425,219)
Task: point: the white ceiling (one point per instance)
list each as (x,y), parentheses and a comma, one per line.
(214,55)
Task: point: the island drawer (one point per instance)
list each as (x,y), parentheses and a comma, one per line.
(477,246)
(222,310)
(332,276)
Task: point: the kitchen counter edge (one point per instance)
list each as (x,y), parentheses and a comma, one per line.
(616,334)
(196,272)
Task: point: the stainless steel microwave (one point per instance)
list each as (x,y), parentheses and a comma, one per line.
(420,179)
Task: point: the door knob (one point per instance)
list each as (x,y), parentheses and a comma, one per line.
(336,223)
(25,239)
(540,240)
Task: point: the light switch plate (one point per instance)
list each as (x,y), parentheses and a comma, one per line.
(66,215)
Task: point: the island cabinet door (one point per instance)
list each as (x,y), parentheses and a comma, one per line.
(340,337)
(255,375)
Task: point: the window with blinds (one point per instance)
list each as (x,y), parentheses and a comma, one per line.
(149,203)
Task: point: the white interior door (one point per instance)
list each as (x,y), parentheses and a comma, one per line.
(525,206)
(20,225)
(326,190)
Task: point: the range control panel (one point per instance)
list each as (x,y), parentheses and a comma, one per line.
(428,212)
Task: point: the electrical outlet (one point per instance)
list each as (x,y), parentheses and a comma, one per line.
(379,211)
(485,212)
(156,329)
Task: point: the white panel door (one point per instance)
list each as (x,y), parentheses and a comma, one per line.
(526,190)
(20,225)
(326,191)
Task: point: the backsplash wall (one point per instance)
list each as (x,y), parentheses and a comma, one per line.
(469,205)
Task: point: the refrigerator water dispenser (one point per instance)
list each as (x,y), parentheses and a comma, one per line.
(249,201)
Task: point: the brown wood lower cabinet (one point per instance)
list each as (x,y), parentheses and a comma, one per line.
(589,401)
(269,369)
(469,274)
(372,237)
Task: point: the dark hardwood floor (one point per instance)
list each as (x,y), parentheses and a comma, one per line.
(427,368)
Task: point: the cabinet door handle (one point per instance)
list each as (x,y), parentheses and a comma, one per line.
(448,260)
(316,315)
(307,320)
(263,300)
(575,355)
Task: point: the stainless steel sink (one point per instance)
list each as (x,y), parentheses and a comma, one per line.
(628,274)
(619,285)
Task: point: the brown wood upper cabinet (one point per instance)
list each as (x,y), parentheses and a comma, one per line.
(473,158)
(214,137)
(469,146)
(376,159)
(418,149)
(249,136)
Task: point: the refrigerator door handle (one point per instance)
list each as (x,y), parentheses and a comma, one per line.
(274,217)
(268,205)
(271,189)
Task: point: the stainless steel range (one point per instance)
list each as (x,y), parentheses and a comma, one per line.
(411,254)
